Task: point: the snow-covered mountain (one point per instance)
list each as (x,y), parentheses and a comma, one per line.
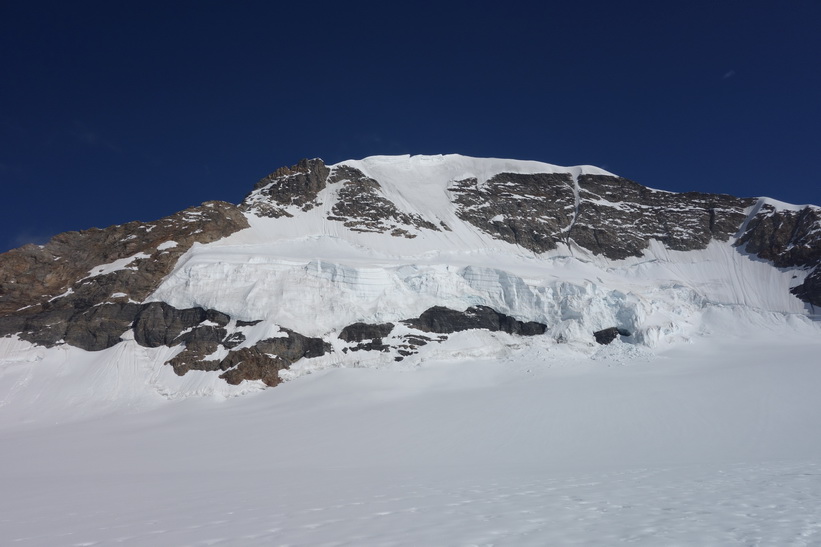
(377,261)
(479,352)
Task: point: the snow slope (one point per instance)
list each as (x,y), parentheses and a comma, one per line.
(709,443)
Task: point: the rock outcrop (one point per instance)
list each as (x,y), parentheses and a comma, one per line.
(159,324)
(85,288)
(533,211)
(438,320)
(361,206)
(359,332)
(261,361)
(617,217)
(605,336)
(611,216)
(288,189)
(788,239)
(443,320)
(368,336)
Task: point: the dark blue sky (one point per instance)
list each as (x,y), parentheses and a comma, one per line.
(118,111)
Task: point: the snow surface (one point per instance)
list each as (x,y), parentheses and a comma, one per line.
(699,429)
(167,245)
(119,264)
(709,443)
(419,184)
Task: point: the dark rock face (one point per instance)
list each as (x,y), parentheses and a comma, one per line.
(241,323)
(533,211)
(438,319)
(606,336)
(295,186)
(92,329)
(194,358)
(294,346)
(810,290)
(359,332)
(788,239)
(445,320)
(613,216)
(44,289)
(100,327)
(617,217)
(159,324)
(253,364)
(262,361)
(362,207)
(266,358)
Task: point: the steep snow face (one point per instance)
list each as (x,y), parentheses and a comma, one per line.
(420,183)
(443,168)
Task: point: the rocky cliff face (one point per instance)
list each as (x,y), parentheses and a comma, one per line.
(618,218)
(788,238)
(534,211)
(288,190)
(611,216)
(360,205)
(362,208)
(87,289)
(445,321)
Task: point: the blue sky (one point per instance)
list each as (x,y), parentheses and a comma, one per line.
(118,111)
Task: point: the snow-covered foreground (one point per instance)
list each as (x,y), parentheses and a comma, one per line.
(715,442)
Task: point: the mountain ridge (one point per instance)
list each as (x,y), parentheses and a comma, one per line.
(248,290)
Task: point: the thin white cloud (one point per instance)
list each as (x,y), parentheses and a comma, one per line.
(729,74)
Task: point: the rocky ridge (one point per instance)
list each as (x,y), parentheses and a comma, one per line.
(618,217)
(361,208)
(788,239)
(359,204)
(611,216)
(86,288)
(533,211)
(287,190)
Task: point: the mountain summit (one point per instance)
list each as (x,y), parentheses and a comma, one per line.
(382,260)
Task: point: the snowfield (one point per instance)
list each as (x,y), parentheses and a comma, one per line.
(713,442)
(700,428)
